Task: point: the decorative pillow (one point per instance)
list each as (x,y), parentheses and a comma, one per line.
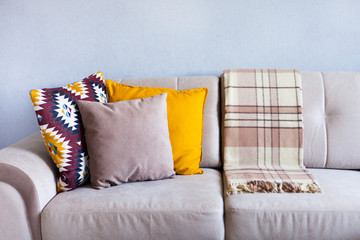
(127,141)
(61,129)
(185,116)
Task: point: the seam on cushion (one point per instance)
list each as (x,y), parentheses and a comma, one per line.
(325,119)
(142,211)
(290,211)
(342,114)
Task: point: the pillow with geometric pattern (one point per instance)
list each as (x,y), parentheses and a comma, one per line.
(61,127)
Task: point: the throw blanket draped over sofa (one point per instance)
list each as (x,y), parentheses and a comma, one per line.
(263,132)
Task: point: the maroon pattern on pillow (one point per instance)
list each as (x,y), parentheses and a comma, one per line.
(61,127)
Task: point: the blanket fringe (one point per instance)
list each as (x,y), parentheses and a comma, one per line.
(272,187)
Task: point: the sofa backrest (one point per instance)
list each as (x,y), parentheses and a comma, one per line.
(331,115)
(211,131)
(331,119)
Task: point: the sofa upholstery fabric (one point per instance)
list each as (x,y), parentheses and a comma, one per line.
(314,120)
(28,168)
(333,214)
(13,224)
(186,207)
(331,117)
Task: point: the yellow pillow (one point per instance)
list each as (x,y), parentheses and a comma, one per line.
(185,118)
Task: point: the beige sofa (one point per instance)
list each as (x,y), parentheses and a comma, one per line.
(195,207)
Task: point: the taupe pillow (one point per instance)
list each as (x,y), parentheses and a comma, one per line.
(127,141)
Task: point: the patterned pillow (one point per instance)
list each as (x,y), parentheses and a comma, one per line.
(61,127)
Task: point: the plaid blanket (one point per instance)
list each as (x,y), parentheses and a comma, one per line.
(263,132)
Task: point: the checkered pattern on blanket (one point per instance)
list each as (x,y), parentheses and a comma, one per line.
(263,132)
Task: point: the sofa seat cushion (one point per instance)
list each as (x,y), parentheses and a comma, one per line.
(333,214)
(185,207)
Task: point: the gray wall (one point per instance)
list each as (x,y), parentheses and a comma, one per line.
(50,43)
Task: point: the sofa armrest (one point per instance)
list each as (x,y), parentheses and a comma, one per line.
(27,176)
